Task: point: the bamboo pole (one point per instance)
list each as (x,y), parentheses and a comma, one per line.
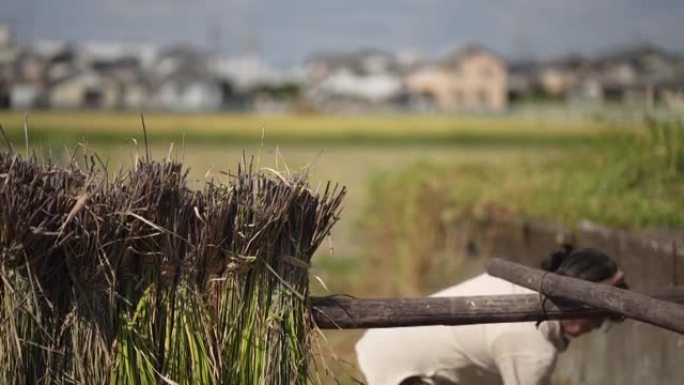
(349,313)
(628,303)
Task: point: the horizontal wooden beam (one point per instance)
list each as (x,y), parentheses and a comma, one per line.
(349,313)
(641,307)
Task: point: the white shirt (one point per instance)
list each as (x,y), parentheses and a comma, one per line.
(504,353)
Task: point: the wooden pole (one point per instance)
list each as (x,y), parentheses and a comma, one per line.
(630,304)
(349,313)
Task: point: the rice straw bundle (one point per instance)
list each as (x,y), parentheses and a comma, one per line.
(137,279)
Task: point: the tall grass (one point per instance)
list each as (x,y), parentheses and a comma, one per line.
(423,221)
(414,235)
(134,278)
(667,143)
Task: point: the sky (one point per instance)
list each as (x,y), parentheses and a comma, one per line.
(286,32)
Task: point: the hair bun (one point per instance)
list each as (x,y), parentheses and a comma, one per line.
(556,258)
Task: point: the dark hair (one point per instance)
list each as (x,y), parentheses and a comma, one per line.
(589,264)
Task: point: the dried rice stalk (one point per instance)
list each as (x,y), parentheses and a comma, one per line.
(138,279)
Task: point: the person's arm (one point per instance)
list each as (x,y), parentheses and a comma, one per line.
(524,359)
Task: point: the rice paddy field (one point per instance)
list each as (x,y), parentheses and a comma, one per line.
(401,172)
(348,150)
(300,129)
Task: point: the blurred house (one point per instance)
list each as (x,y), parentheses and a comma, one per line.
(376,88)
(74,78)
(133,76)
(7,56)
(84,90)
(184,78)
(521,84)
(640,75)
(183,82)
(247,72)
(530,80)
(249,82)
(71,60)
(26,95)
(637,75)
(471,79)
(29,67)
(107,52)
(27,75)
(130,78)
(364,79)
(179,59)
(189,93)
(614,78)
(5,35)
(362,62)
(558,77)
